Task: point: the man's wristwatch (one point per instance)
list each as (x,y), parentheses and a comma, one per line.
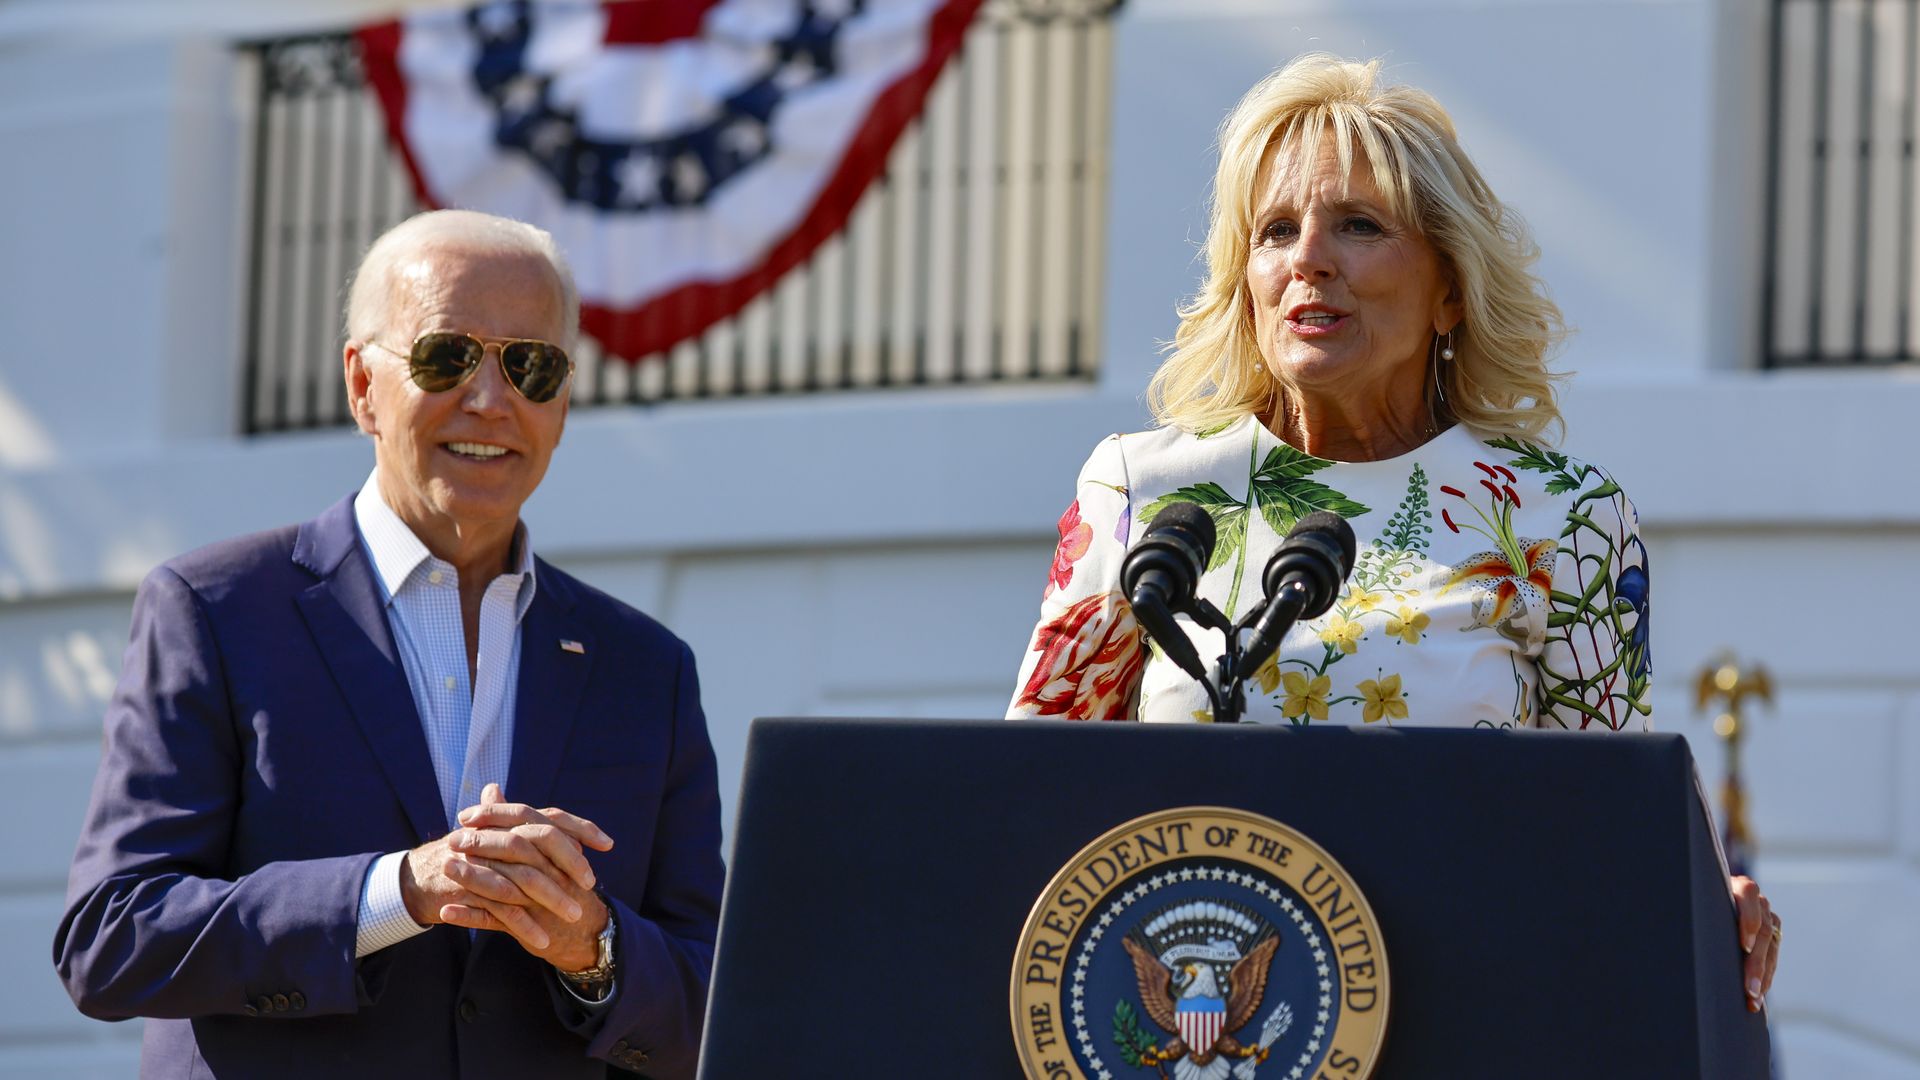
(594,982)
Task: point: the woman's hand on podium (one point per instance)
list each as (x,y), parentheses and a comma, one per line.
(1759,936)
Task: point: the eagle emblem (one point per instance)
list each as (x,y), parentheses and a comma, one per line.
(1185,943)
(1202,969)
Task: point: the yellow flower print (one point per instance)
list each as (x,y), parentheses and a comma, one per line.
(1407,625)
(1362,601)
(1343,632)
(1382,699)
(1202,716)
(1309,698)
(1269,674)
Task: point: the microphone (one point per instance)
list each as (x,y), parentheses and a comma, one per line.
(1301,580)
(1162,571)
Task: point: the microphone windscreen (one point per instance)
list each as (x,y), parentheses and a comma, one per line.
(1335,528)
(1194,520)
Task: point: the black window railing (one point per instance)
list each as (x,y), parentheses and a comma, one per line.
(976,258)
(1840,285)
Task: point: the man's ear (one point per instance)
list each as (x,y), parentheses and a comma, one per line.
(359,387)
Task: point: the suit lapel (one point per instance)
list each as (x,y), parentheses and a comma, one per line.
(553,677)
(347,616)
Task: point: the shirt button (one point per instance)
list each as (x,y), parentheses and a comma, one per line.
(468,1010)
(281,1003)
(449,682)
(298,999)
(263,1003)
(436,577)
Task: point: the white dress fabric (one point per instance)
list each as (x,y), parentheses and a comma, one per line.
(1498,584)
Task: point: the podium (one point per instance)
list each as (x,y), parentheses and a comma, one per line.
(1551,904)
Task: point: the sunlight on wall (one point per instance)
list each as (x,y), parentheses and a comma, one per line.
(77,668)
(23,441)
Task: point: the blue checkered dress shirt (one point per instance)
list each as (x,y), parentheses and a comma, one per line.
(468,724)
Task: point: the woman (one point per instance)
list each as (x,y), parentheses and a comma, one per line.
(1370,340)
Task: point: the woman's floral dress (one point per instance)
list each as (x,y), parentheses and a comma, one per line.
(1498,584)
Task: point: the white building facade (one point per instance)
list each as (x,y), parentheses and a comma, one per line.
(883,552)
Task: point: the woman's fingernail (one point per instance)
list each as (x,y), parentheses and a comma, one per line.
(1753,989)
(573,912)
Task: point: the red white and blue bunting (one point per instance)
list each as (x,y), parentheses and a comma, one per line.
(684,153)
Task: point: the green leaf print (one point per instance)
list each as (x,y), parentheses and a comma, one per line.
(1232,542)
(1284,462)
(1229,516)
(1278,487)
(1209,495)
(1284,504)
(1532,458)
(1409,527)
(1561,478)
(1402,540)
(1286,495)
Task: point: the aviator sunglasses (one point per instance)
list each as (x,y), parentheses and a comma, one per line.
(443,359)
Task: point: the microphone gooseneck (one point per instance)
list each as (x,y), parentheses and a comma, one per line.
(1301,581)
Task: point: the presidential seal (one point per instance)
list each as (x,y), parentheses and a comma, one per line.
(1200,943)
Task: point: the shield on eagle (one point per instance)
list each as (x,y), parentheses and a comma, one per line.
(1200,1019)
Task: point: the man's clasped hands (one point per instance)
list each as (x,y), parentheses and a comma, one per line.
(515,869)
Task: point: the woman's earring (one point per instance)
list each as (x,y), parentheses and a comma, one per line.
(1436,355)
(1446,346)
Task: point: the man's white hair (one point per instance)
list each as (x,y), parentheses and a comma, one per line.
(370,292)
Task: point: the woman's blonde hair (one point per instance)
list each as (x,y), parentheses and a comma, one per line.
(1498,380)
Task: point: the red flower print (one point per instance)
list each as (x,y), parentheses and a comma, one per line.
(1091,656)
(1506,589)
(1511,583)
(1075,537)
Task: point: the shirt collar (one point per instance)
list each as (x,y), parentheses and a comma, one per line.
(398,554)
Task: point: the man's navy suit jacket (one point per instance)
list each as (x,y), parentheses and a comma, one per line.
(263,749)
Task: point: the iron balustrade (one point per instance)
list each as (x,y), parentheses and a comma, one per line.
(976,258)
(1840,285)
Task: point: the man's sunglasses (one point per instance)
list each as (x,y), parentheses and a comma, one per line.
(443,359)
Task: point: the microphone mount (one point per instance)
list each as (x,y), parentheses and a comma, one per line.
(1300,581)
(1226,685)
(1161,575)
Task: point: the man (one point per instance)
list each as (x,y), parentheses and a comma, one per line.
(299,860)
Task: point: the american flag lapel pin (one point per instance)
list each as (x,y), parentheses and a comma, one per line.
(572,646)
